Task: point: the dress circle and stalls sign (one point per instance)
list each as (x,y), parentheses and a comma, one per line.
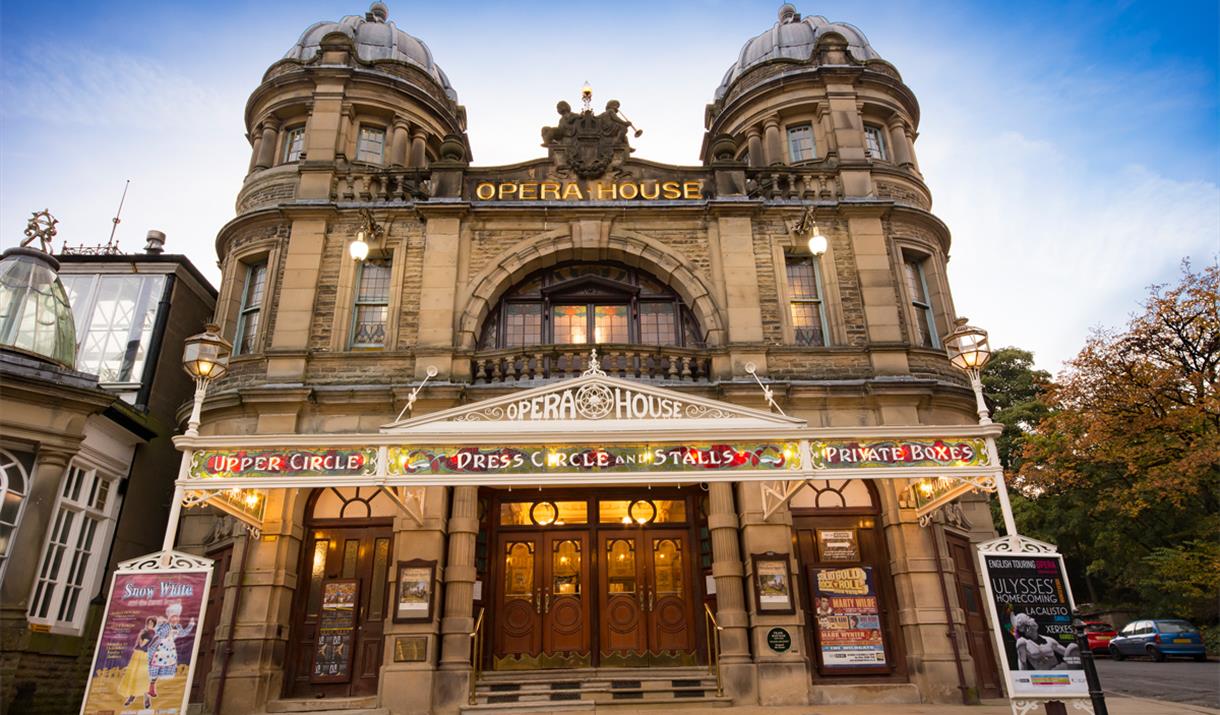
(1032,618)
(148,643)
(848,618)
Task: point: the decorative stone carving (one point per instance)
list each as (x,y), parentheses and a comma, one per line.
(588,145)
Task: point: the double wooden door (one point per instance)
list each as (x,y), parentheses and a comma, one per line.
(545,601)
(347,661)
(969,596)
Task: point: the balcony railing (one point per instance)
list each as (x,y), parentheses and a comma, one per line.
(382,185)
(546,362)
(793,183)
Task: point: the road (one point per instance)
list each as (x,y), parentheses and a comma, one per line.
(1182,681)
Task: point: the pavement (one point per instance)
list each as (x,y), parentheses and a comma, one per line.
(1117,705)
(1181,681)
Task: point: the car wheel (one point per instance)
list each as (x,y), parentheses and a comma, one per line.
(1157,655)
(1116,654)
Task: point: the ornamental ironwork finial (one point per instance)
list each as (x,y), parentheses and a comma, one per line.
(595,367)
(41,227)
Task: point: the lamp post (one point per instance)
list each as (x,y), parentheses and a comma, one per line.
(205,358)
(969,351)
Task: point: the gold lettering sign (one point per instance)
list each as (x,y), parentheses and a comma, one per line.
(624,190)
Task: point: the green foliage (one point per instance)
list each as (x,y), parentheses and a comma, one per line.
(1016,392)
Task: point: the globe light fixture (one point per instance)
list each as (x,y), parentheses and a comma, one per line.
(817,242)
(586,97)
(359,248)
(205,357)
(969,350)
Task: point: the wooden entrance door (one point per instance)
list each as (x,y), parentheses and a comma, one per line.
(645,598)
(360,553)
(969,596)
(207,632)
(543,602)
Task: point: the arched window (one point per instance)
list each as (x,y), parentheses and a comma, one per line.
(590,303)
(13,486)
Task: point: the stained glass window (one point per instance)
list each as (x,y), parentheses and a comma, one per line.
(805,301)
(610,324)
(657,323)
(570,324)
(522,324)
(372,304)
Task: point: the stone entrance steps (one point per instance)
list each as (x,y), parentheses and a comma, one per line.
(587,689)
(328,706)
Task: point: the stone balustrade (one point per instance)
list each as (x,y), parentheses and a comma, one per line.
(793,183)
(374,184)
(545,362)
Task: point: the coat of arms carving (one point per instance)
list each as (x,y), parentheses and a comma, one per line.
(588,145)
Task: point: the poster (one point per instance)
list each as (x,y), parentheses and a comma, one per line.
(414,595)
(1032,612)
(848,618)
(774,592)
(332,658)
(838,545)
(147,643)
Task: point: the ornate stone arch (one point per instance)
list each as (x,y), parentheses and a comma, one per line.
(634,249)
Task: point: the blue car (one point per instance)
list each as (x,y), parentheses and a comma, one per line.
(1158,639)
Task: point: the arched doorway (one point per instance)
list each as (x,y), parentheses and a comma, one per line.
(339,609)
(849,595)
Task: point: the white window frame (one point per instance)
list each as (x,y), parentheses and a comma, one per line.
(59,561)
(8,463)
(360,143)
(881,152)
(294,135)
(820,300)
(244,308)
(813,143)
(357,304)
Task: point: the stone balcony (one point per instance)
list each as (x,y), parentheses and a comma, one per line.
(367,183)
(547,362)
(793,183)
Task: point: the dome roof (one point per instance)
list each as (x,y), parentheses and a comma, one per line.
(375,39)
(35,316)
(793,37)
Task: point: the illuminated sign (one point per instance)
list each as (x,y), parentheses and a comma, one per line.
(859,454)
(227,463)
(542,459)
(624,190)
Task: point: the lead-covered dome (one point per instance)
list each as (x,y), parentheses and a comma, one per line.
(35,316)
(376,39)
(793,37)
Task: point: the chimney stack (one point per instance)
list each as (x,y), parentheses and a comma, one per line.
(156,242)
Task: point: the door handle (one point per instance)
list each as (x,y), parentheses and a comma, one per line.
(538,601)
(546,608)
(639,596)
(651,599)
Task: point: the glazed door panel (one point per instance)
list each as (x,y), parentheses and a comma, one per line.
(207,634)
(969,596)
(622,594)
(669,602)
(519,598)
(565,598)
(341,553)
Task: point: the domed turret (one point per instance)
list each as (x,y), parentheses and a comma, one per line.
(794,38)
(35,316)
(375,38)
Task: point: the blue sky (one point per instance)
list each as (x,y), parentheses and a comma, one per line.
(1072,148)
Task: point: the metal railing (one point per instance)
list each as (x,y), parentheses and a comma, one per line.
(476,655)
(713,647)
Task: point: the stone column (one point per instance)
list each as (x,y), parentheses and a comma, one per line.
(256,147)
(898,142)
(783,678)
(773,147)
(740,678)
(754,142)
(419,157)
(442,248)
(346,116)
(828,131)
(454,671)
(398,148)
(266,149)
(294,309)
(743,309)
(878,291)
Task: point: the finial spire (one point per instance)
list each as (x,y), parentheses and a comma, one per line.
(41,228)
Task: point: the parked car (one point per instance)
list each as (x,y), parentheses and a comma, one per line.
(1158,639)
(1099,635)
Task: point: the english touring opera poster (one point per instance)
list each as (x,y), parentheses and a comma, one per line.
(1032,616)
(147,644)
(848,618)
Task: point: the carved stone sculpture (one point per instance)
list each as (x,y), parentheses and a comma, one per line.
(588,145)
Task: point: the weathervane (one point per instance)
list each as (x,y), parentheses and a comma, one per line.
(41,227)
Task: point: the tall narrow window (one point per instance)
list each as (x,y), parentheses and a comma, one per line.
(13,486)
(874,141)
(570,324)
(371,145)
(372,304)
(805,301)
(251,309)
(800,143)
(294,144)
(921,305)
(658,324)
(74,548)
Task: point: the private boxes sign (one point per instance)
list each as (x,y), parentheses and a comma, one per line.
(1031,608)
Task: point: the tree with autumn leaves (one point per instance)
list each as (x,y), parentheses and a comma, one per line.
(1118,461)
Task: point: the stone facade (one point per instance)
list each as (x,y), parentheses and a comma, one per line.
(454,253)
